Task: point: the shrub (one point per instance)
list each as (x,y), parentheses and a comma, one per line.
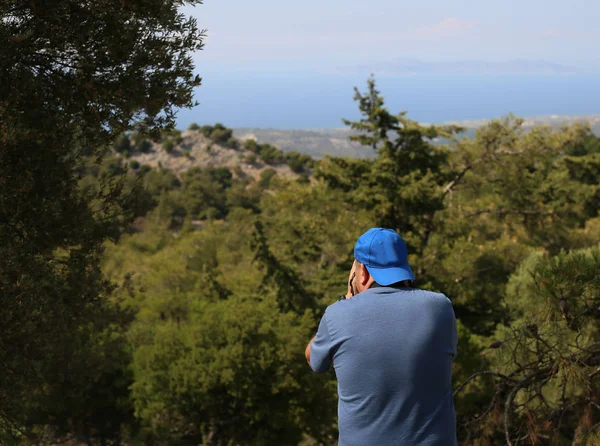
(193,126)
(221,136)
(145,168)
(251,158)
(168,145)
(250,144)
(145,146)
(270,154)
(233,143)
(297,161)
(206,130)
(122,143)
(134,165)
(221,175)
(303,178)
(266,176)
(187,153)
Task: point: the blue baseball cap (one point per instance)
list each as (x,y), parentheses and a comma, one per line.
(384,254)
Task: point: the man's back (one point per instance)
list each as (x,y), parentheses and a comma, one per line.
(392,351)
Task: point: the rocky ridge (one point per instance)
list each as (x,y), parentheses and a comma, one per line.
(196,150)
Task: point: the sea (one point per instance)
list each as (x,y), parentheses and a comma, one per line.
(307,100)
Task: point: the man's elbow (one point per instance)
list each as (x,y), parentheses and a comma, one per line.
(307,353)
(307,350)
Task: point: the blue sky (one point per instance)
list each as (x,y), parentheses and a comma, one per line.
(312,34)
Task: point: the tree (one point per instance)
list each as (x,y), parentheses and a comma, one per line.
(168,145)
(270,154)
(547,367)
(405,183)
(75,75)
(297,161)
(215,358)
(266,176)
(122,143)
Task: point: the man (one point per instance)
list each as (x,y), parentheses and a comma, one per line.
(392,348)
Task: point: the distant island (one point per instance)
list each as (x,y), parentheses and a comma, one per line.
(417,66)
(318,142)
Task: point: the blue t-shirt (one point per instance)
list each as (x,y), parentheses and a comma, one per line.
(392,350)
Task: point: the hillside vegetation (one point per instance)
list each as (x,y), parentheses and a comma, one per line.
(225,278)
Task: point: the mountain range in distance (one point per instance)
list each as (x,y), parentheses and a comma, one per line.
(335,142)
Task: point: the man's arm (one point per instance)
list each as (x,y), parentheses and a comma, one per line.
(349,294)
(318,352)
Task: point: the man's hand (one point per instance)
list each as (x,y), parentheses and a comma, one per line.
(351,278)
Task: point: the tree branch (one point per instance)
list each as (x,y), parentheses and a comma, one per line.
(485,372)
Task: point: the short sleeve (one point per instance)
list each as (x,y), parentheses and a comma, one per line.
(321,348)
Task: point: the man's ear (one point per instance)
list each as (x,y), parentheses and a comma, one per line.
(365,276)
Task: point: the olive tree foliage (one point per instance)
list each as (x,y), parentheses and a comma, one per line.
(74,75)
(101,64)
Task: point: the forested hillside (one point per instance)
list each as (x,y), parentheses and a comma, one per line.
(159,287)
(226,276)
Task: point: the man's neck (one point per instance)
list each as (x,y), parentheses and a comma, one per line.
(401,284)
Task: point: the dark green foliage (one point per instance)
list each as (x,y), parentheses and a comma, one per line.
(145,146)
(270,154)
(303,178)
(158,181)
(298,162)
(221,135)
(194,127)
(232,143)
(243,196)
(222,176)
(266,176)
(75,75)
(203,192)
(550,350)
(587,145)
(134,165)
(250,144)
(168,146)
(122,143)
(251,158)
(206,130)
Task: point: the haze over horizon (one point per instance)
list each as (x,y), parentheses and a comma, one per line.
(270,34)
